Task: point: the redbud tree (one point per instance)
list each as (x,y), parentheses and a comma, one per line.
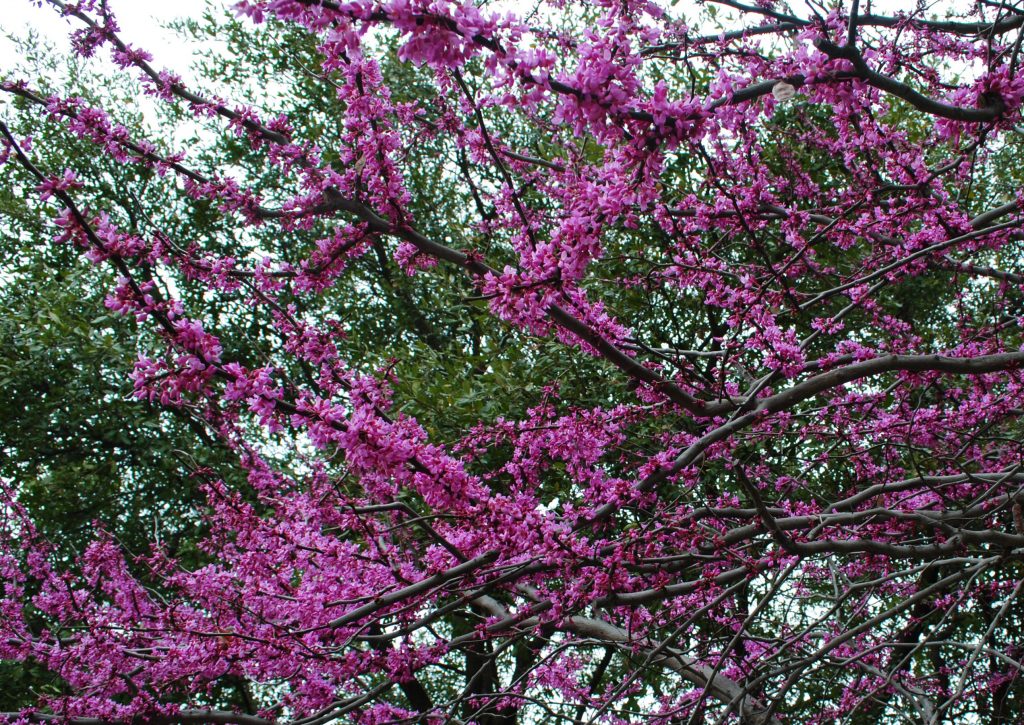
(571,362)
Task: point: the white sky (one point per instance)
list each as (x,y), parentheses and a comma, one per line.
(141,22)
(139,19)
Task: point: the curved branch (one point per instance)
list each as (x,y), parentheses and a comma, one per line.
(722,688)
(995,108)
